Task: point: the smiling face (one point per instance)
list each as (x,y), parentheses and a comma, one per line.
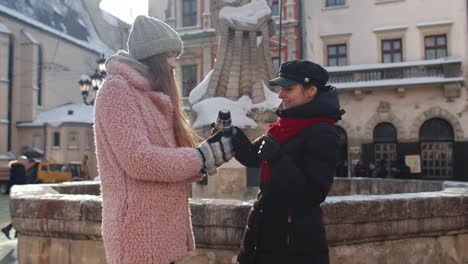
(296,95)
(172,59)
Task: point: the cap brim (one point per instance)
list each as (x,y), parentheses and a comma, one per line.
(281,81)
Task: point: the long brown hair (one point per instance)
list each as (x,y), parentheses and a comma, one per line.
(162,79)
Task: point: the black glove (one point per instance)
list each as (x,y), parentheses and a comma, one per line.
(270,150)
(214,152)
(214,130)
(240,142)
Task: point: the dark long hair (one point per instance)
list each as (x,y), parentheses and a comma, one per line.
(162,79)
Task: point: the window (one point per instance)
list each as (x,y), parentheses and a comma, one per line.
(330,3)
(56,140)
(189,13)
(391,50)
(275,61)
(39,76)
(436,136)
(435,47)
(385,144)
(189,79)
(73,140)
(342,167)
(275,8)
(37,141)
(336,55)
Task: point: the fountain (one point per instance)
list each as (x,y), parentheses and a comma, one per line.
(367,220)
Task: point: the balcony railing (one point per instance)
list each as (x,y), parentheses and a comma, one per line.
(445,70)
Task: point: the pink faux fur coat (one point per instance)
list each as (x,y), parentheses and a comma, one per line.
(145,178)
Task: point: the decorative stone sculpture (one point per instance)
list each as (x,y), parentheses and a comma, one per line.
(243,61)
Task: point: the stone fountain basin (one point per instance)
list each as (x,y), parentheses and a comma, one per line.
(367,221)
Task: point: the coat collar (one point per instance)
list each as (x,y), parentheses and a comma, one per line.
(136,74)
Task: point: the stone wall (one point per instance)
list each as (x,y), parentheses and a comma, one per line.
(61,223)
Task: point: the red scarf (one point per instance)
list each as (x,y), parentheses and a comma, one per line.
(286,128)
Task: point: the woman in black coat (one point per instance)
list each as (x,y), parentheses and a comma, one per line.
(298,159)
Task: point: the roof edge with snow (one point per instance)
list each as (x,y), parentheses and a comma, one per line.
(36,24)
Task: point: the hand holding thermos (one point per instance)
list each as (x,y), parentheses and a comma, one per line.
(217,149)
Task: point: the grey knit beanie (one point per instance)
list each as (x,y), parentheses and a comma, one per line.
(150,36)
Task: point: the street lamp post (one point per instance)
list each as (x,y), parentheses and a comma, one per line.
(86,82)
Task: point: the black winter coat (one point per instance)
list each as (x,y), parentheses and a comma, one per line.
(17,174)
(285,223)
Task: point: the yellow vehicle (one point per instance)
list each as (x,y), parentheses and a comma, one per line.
(49,172)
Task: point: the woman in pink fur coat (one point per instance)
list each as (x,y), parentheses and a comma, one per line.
(145,150)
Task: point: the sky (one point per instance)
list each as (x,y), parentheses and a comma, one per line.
(124,9)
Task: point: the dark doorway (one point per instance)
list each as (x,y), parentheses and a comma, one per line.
(385,145)
(436,138)
(342,167)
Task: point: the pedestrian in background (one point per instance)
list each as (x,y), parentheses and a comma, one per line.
(18,170)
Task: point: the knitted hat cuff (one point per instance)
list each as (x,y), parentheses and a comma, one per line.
(155,47)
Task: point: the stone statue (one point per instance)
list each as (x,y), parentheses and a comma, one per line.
(243,61)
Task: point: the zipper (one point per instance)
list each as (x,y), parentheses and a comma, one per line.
(288,229)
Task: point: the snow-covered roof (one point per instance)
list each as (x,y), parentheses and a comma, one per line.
(57,18)
(68,113)
(207,109)
(398,27)
(363,67)
(249,16)
(396,82)
(7,156)
(434,23)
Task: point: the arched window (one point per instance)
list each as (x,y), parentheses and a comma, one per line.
(436,129)
(342,167)
(385,133)
(436,137)
(385,144)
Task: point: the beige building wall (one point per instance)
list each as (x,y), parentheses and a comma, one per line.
(361,26)
(157,8)
(76,140)
(367,22)
(406,112)
(63,62)
(4,58)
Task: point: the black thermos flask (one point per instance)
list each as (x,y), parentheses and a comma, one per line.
(224,122)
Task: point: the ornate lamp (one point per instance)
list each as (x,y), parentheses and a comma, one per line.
(95,81)
(85,84)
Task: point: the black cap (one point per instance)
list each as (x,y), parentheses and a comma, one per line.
(301,71)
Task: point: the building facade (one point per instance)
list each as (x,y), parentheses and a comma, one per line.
(46,47)
(196,22)
(401,69)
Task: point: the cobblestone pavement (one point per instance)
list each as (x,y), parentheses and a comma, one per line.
(7,247)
